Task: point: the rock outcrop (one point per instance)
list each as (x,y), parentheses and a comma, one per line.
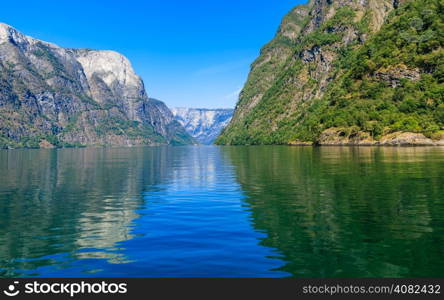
(204,125)
(345,137)
(56,97)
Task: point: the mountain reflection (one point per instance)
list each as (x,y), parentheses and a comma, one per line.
(222,212)
(134,212)
(71,200)
(345,212)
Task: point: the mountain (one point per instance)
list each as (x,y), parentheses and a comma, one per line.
(204,125)
(347,72)
(56,97)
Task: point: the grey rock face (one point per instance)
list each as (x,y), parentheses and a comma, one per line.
(205,125)
(168,124)
(75,97)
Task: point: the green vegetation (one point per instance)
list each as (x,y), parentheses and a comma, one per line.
(391,82)
(89,101)
(33,142)
(131,129)
(44,52)
(181,138)
(274,55)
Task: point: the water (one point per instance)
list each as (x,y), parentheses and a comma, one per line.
(222,212)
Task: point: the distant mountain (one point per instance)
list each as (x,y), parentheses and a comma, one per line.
(169,126)
(204,125)
(56,97)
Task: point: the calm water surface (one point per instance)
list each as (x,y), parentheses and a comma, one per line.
(222,212)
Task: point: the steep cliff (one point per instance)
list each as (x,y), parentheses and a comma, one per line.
(205,125)
(356,72)
(55,97)
(169,123)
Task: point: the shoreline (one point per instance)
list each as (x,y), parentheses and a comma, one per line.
(340,137)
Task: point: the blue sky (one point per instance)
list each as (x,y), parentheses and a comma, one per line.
(189,53)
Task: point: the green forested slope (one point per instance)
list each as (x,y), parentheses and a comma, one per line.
(361,79)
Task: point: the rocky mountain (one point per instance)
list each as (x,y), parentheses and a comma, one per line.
(347,72)
(56,97)
(205,125)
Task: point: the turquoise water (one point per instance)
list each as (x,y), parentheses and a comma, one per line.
(222,212)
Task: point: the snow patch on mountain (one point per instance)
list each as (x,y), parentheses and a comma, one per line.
(205,125)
